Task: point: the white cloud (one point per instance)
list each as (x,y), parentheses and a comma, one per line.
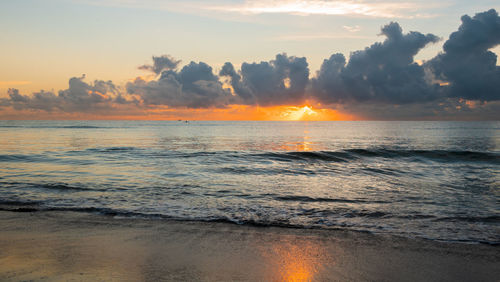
(355,28)
(383,8)
(318,7)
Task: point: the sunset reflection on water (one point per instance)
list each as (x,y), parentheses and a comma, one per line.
(301,145)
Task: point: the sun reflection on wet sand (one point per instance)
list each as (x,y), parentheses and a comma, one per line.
(295,261)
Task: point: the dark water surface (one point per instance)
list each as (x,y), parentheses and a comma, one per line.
(437,180)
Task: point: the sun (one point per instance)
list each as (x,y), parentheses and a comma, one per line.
(299,113)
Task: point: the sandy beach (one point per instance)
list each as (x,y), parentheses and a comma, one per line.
(88,247)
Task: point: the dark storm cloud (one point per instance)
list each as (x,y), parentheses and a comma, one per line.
(382,73)
(161,63)
(194,86)
(277,82)
(466,63)
(79,97)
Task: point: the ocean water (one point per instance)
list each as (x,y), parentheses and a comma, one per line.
(435,180)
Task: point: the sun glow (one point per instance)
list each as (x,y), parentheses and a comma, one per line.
(300,113)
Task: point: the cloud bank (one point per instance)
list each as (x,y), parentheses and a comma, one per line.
(382,81)
(79,97)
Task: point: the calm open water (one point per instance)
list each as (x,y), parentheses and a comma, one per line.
(437,180)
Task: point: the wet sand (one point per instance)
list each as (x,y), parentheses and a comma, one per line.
(65,246)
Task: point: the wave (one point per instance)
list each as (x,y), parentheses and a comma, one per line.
(443,155)
(63,187)
(331,200)
(19,203)
(39,206)
(341,156)
(34,206)
(264,171)
(20,206)
(305,156)
(491,219)
(38,158)
(243,158)
(112,149)
(25,158)
(353,154)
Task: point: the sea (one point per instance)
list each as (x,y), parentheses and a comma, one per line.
(433,180)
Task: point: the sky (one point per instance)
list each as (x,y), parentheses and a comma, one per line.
(250,59)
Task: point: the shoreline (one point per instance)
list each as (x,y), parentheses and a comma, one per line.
(52,245)
(33,207)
